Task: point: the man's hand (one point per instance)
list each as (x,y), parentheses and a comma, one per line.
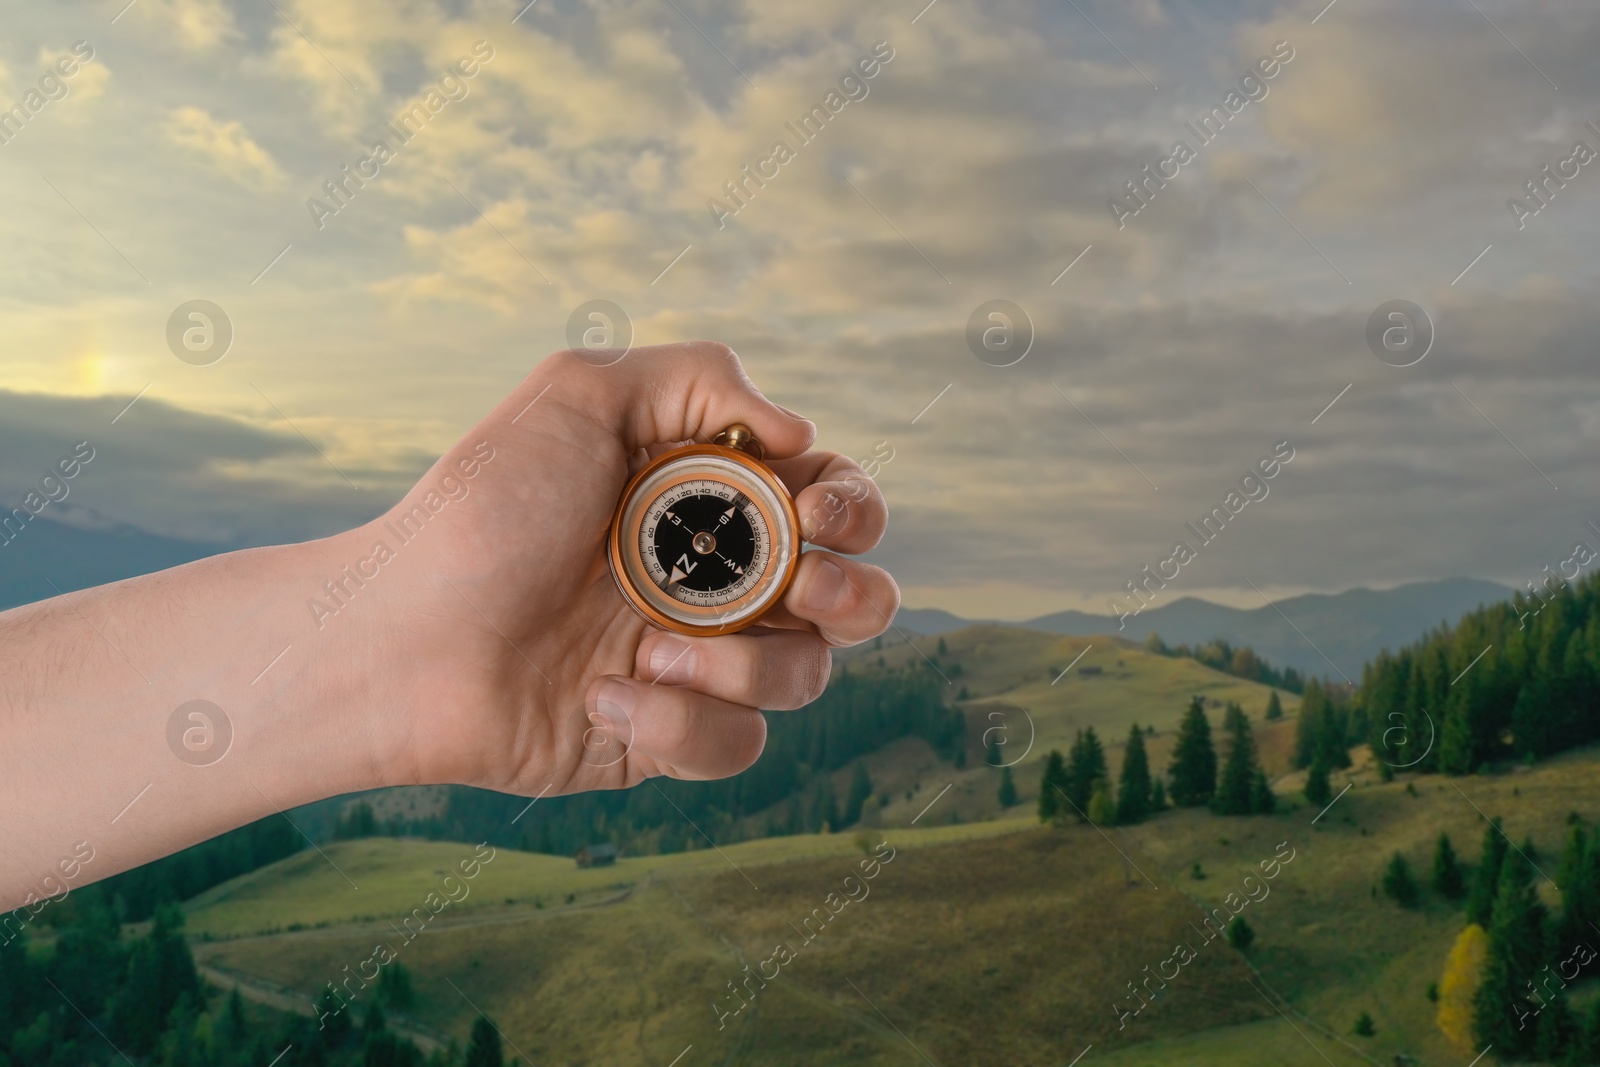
(537,677)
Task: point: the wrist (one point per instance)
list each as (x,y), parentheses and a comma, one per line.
(372,652)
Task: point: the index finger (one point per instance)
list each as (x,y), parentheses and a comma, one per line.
(674,392)
(840,506)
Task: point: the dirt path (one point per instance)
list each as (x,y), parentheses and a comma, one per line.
(520,915)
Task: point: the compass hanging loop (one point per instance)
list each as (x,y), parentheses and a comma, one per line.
(741,437)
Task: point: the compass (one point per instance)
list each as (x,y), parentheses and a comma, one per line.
(705,539)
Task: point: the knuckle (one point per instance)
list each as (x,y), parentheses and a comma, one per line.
(814,670)
(565,361)
(677,730)
(716,353)
(790,678)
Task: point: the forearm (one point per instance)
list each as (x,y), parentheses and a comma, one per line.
(91,749)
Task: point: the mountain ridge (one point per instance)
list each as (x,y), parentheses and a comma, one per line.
(1319,634)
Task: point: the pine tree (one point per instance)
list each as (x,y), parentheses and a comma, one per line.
(1588,1050)
(1398,885)
(395,988)
(1086,764)
(1008,788)
(1051,785)
(1232,716)
(1133,791)
(1318,791)
(1240,935)
(1308,725)
(334,1018)
(1579,879)
(1194,761)
(1263,801)
(483,1050)
(232,1028)
(1447,878)
(1534,718)
(1556,1033)
(388,1049)
(1516,949)
(1158,796)
(1486,880)
(1236,784)
(1274,707)
(1364,1026)
(1102,808)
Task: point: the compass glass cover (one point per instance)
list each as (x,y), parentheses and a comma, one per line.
(701,539)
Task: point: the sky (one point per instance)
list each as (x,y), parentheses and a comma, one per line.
(1167,351)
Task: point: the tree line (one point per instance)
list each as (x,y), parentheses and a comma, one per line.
(93,995)
(1079,785)
(1516,679)
(1241,662)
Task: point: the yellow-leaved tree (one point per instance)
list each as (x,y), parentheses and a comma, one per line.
(1463,973)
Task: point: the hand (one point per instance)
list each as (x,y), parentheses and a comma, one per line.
(532,675)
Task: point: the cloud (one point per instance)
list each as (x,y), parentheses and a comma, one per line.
(224,146)
(199,24)
(190,475)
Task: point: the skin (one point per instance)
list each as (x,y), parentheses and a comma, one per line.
(494,650)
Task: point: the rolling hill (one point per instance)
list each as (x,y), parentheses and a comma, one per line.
(993,943)
(1019,691)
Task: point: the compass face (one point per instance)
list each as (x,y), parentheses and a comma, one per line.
(705,540)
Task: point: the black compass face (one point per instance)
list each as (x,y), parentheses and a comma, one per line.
(706,542)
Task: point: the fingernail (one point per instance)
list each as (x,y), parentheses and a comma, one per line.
(614,704)
(827,586)
(671,662)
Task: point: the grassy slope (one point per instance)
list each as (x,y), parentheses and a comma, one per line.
(1133,685)
(993,943)
(974,949)
(1323,939)
(392,877)
(1004,669)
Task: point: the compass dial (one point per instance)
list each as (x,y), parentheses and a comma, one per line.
(705,540)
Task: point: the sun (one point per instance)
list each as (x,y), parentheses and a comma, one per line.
(93,372)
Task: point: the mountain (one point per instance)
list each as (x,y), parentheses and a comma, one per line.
(1348,628)
(933,621)
(84,553)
